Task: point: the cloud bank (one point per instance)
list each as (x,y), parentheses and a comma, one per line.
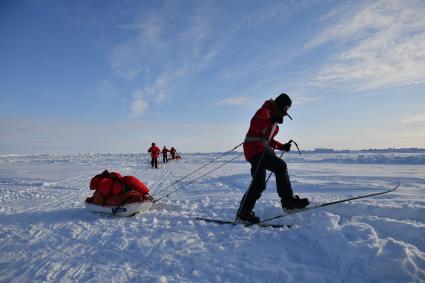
(379,44)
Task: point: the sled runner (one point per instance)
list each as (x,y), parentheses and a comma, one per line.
(122,210)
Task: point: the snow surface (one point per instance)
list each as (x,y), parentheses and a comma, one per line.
(46,234)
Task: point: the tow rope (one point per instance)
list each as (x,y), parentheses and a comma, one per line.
(205,165)
(207,173)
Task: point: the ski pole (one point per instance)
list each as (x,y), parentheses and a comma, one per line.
(256,171)
(291,141)
(329,203)
(272,172)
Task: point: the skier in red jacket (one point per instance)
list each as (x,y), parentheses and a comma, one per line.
(164,154)
(154,150)
(258,149)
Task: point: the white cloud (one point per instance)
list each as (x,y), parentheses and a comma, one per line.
(414,119)
(162,62)
(160,55)
(138,105)
(383,44)
(305,99)
(233,101)
(135,56)
(158,46)
(156,91)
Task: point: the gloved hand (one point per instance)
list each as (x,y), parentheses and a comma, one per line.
(286,146)
(276,119)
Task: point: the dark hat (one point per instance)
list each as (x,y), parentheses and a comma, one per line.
(282,101)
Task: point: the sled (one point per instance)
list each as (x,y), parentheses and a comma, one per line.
(177,157)
(122,210)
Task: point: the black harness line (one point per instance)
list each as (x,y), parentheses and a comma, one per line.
(194,180)
(205,165)
(155,200)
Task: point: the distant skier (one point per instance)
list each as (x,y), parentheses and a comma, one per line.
(164,154)
(154,150)
(173,152)
(259,148)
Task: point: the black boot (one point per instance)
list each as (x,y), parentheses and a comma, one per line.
(294,203)
(249,218)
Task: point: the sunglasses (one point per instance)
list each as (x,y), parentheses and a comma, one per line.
(284,112)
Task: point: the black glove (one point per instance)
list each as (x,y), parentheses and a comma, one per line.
(276,119)
(286,146)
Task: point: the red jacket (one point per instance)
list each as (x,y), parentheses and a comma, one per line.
(260,130)
(154,150)
(164,151)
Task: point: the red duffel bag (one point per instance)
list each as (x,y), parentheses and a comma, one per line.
(109,186)
(96,180)
(113,189)
(133,183)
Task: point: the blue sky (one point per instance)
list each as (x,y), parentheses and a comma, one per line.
(114,76)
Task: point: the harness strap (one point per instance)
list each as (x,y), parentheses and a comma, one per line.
(261,137)
(254,139)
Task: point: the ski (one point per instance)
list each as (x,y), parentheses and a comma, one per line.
(230,222)
(326,204)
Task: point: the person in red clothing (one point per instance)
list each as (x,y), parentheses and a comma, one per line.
(164,154)
(259,146)
(154,150)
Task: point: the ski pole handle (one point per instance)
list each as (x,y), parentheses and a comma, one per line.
(292,141)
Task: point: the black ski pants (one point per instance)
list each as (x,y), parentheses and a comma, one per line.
(164,158)
(259,165)
(154,162)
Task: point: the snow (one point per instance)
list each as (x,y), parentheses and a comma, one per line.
(46,234)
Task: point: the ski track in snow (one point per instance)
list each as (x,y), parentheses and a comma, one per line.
(46,234)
